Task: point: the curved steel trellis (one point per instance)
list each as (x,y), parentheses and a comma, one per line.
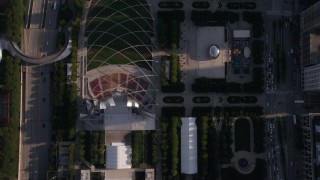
(130,45)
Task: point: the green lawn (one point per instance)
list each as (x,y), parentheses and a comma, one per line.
(119,33)
(242,135)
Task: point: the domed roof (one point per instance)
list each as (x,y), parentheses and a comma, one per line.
(214,51)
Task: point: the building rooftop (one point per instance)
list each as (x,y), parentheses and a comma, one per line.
(118,156)
(189,153)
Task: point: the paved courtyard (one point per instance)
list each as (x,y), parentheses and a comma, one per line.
(208,67)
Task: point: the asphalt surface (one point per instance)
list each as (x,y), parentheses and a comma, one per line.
(36,122)
(37,14)
(282,99)
(274,168)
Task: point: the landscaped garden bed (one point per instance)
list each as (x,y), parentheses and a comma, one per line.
(170,147)
(241,5)
(242,135)
(242,99)
(259,134)
(169,28)
(172,4)
(201,5)
(173,99)
(201,99)
(171,74)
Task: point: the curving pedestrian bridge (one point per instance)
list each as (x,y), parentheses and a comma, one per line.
(14,50)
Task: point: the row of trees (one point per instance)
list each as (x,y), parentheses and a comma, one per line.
(170,138)
(13,20)
(154,148)
(92,146)
(173,84)
(225,141)
(259,134)
(64,105)
(174,144)
(202,124)
(164,146)
(242,135)
(11,24)
(65,110)
(9,134)
(169,28)
(137,149)
(256,19)
(258,51)
(71,165)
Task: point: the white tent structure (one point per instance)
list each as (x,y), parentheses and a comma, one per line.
(118,156)
(241,34)
(189,164)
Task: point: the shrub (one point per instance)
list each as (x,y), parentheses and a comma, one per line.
(9,134)
(154,148)
(202,124)
(173,99)
(201,5)
(137,148)
(242,135)
(176,4)
(169,28)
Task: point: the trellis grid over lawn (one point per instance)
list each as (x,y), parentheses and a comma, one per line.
(119,32)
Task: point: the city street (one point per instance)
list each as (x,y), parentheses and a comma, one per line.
(36,86)
(272,150)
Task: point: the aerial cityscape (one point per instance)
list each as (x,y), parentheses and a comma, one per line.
(160,89)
